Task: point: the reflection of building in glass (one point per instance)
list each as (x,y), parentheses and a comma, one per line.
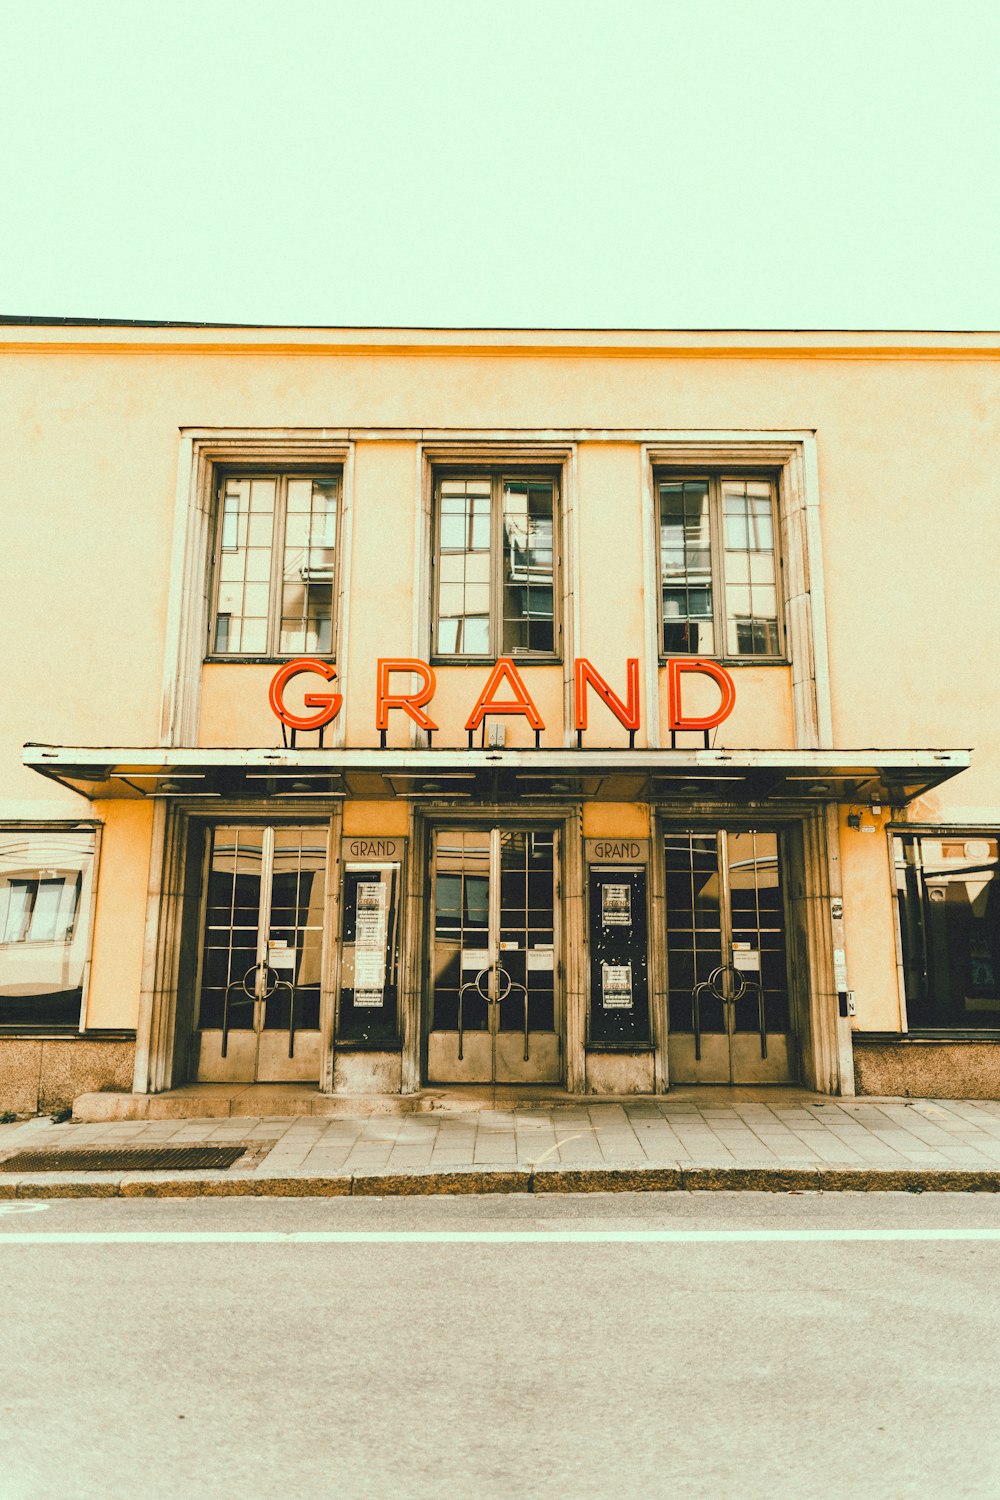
(948,893)
(43,931)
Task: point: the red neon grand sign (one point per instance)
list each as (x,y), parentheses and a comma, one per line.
(503,693)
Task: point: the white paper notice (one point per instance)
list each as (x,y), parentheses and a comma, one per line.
(475,958)
(616,906)
(541,958)
(616,986)
(746,959)
(369,945)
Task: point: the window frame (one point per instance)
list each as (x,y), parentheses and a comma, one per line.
(715,476)
(497,474)
(281,474)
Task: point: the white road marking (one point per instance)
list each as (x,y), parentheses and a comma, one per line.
(22,1208)
(497,1236)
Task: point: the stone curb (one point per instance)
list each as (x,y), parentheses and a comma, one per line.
(670,1177)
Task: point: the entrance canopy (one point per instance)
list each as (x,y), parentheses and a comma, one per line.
(893,777)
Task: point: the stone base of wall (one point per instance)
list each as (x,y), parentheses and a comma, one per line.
(44,1073)
(367,1073)
(919,1069)
(620,1073)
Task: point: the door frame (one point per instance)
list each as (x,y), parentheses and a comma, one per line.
(172,958)
(722,828)
(810,849)
(267,825)
(567,925)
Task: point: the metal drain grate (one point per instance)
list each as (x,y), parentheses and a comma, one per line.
(126,1159)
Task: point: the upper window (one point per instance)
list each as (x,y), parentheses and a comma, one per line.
(719,566)
(275,565)
(948,897)
(495,566)
(44,931)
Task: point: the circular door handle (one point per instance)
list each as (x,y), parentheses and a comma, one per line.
(251,993)
(503,975)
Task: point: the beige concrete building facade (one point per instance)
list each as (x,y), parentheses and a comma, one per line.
(401,710)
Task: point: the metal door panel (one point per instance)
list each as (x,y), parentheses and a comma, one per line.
(444,1064)
(542,1064)
(209,1065)
(274,1064)
(713,1066)
(750,1067)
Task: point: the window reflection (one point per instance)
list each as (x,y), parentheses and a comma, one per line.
(43,928)
(276,564)
(718,567)
(495,589)
(948,898)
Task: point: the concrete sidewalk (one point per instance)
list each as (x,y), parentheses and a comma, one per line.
(704,1140)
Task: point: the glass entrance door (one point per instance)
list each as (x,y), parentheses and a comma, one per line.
(493,1000)
(261,955)
(727,967)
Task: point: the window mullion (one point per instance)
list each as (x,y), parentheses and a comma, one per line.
(216,588)
(496,566)
(277,567)
(717,542)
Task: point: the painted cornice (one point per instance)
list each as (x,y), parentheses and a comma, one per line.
(411,343)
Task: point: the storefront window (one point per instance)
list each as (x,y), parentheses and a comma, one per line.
(44,931)
(948,890)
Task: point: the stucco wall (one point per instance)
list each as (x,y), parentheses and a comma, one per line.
(906,441)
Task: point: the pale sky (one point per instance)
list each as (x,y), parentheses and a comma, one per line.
(687,163)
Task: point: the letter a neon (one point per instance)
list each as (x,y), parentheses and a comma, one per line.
(519,702)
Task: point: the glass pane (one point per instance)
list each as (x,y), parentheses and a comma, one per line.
(463,588)
(750,569)
(231,916)
(475,637)
(44,931)
(461,928)
(694,938)
(528,566)
(299,496)
(758,922)
(453,524)
(447,637)
(480,537)
(262,497)
(527,926)
(477,599)
(949,911)
(253,641)
(295,932)
(244,561)
(686,566)
(308,566)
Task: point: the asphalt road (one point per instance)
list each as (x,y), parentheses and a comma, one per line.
(681,1361)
